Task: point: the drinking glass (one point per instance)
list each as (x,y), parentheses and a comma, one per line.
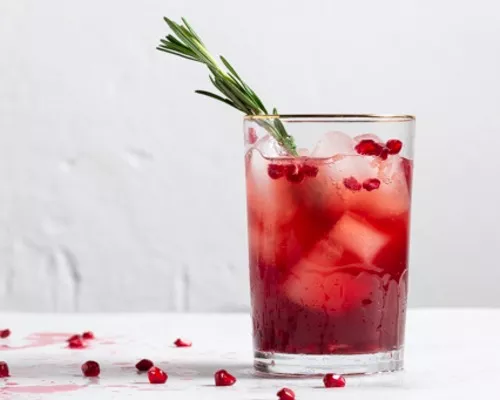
(328,242)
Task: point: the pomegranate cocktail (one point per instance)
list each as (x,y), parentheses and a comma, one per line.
(328,245)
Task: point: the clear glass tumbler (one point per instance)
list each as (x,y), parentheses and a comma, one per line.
(328,242)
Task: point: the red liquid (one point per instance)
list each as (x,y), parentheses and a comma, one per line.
(328,264)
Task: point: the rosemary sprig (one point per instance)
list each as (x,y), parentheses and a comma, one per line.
(185,43)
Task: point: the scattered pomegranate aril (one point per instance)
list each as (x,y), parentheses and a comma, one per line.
(4,333)
(368,147)
(157,375)
(294,173)
(76,343)
(286,394)
(88,335)
(252,136)
(144,365)
(371,184)
(224,378)
(394,146)
(310,170)
(275,171)
(352,183)
(334,380)
(384,154)
(182,343)
(4,369)
(74,337)
(91,369)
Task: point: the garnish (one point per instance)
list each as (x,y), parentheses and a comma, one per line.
(235,92)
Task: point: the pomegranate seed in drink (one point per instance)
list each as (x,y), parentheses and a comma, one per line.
(224,378)
(334,380)
(275,171)
(294,173)
(352,183)
(371,184)
(394,146)
(88,335)
(252,135)
(182,343)
(384,154)
(286,394)
(4,369)
(76,343)
(310,170)
(157,375)
(144,365)
(368,147)
(4,333)
(91,369)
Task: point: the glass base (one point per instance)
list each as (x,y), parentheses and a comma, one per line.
(307,365)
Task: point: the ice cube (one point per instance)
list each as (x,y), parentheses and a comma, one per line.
(338,273)
(353,233)
(269,147)
(333,143)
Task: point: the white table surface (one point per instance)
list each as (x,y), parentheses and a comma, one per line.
(450,354)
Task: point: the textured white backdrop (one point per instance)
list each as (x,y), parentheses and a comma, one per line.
(120,189)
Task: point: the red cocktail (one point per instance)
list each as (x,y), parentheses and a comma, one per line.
(328,246)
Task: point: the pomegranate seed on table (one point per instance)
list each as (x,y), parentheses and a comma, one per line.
(368,147)
(157,375)
(394,146)
(352,183)
(74,337)
(4,369)
(91,369)
(224,378)
(76,343)
(286,394)
(144,365)
(4,333)
(334,380)
(182,343)
(371,184)
(88,335)
(275,171)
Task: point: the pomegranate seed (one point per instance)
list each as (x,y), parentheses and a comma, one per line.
(294,173)
(91,369)
(182,343)
(4,369)
(88,335)
(371,184)
(334,380)
(224,378)
(394,146)
(5,333)
(310,170)
(74,337)
(76,343)
(286,394)
(275,171)
(383,155)
(157,375)
(408,169)
(368,147)
(252,136)
(144,365)
(352,183)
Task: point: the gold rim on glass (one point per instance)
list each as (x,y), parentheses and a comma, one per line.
(336,117)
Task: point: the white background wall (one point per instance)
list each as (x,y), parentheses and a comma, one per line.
(120,189)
